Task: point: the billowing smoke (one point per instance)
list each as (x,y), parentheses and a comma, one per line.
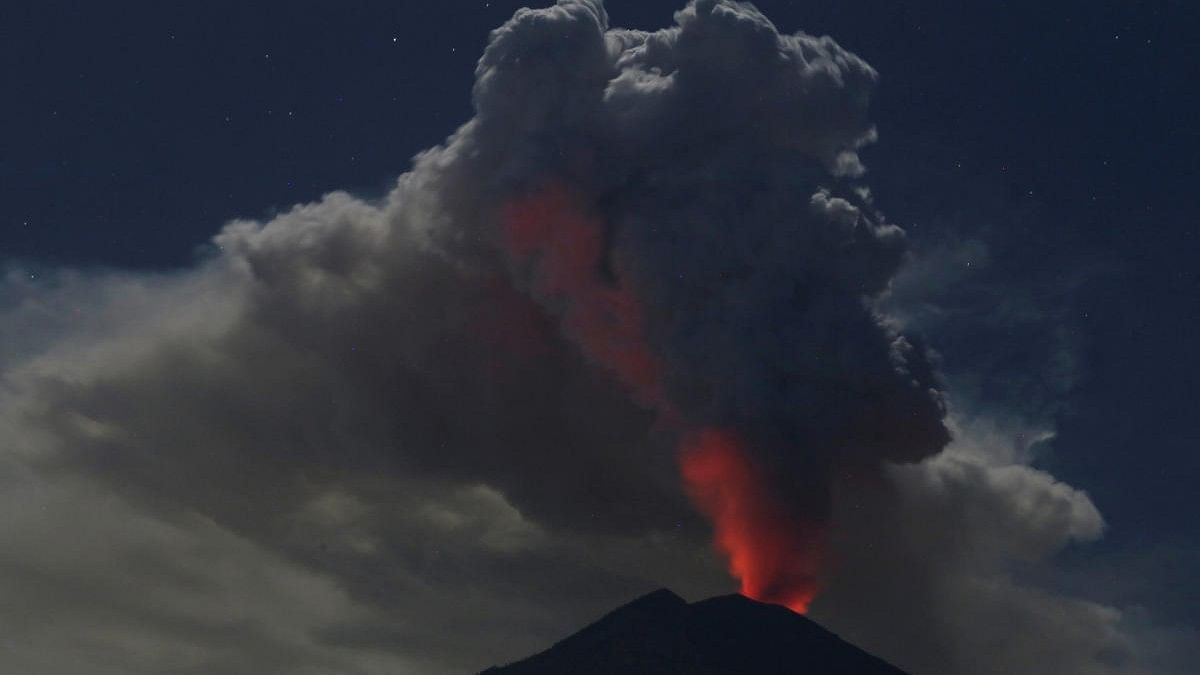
(640,284)
(722,266)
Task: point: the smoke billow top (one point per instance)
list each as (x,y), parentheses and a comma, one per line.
(640,284)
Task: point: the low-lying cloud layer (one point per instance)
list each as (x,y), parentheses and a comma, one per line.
(421,435)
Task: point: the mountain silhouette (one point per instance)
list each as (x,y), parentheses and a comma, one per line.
(661,634)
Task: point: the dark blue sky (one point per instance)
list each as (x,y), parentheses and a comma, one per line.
(1064,135)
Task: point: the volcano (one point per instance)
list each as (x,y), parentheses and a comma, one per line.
(661,634)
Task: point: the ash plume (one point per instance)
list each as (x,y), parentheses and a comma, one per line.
(722,266)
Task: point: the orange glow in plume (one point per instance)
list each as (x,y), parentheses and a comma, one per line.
(549,229)
(775,557)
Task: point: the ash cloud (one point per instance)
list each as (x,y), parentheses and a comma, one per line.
(377,406)
(752,251)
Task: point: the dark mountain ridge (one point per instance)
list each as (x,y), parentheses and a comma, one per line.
(661,634)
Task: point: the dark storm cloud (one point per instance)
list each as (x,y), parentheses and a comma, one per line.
(377,409)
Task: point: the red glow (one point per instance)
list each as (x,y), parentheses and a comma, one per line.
(776,558)
(551,234)
(550,229)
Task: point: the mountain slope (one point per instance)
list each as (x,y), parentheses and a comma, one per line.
(662,634)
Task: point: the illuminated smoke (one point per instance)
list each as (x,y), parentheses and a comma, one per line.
(549,231)
(773,553)
(776,556)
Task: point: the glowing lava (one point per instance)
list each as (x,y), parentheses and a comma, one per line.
(774,556)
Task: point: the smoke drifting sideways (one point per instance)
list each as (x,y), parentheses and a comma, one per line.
(721,265)
(647,257)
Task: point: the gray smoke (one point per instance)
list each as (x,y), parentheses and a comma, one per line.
(752,249)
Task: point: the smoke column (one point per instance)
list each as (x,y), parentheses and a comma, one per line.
(775,556)
(720,265)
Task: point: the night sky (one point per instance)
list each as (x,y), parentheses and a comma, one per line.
(1041,156)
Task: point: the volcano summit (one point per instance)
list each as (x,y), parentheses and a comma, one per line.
(660,634)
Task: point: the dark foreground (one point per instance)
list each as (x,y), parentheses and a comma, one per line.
(661,633)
